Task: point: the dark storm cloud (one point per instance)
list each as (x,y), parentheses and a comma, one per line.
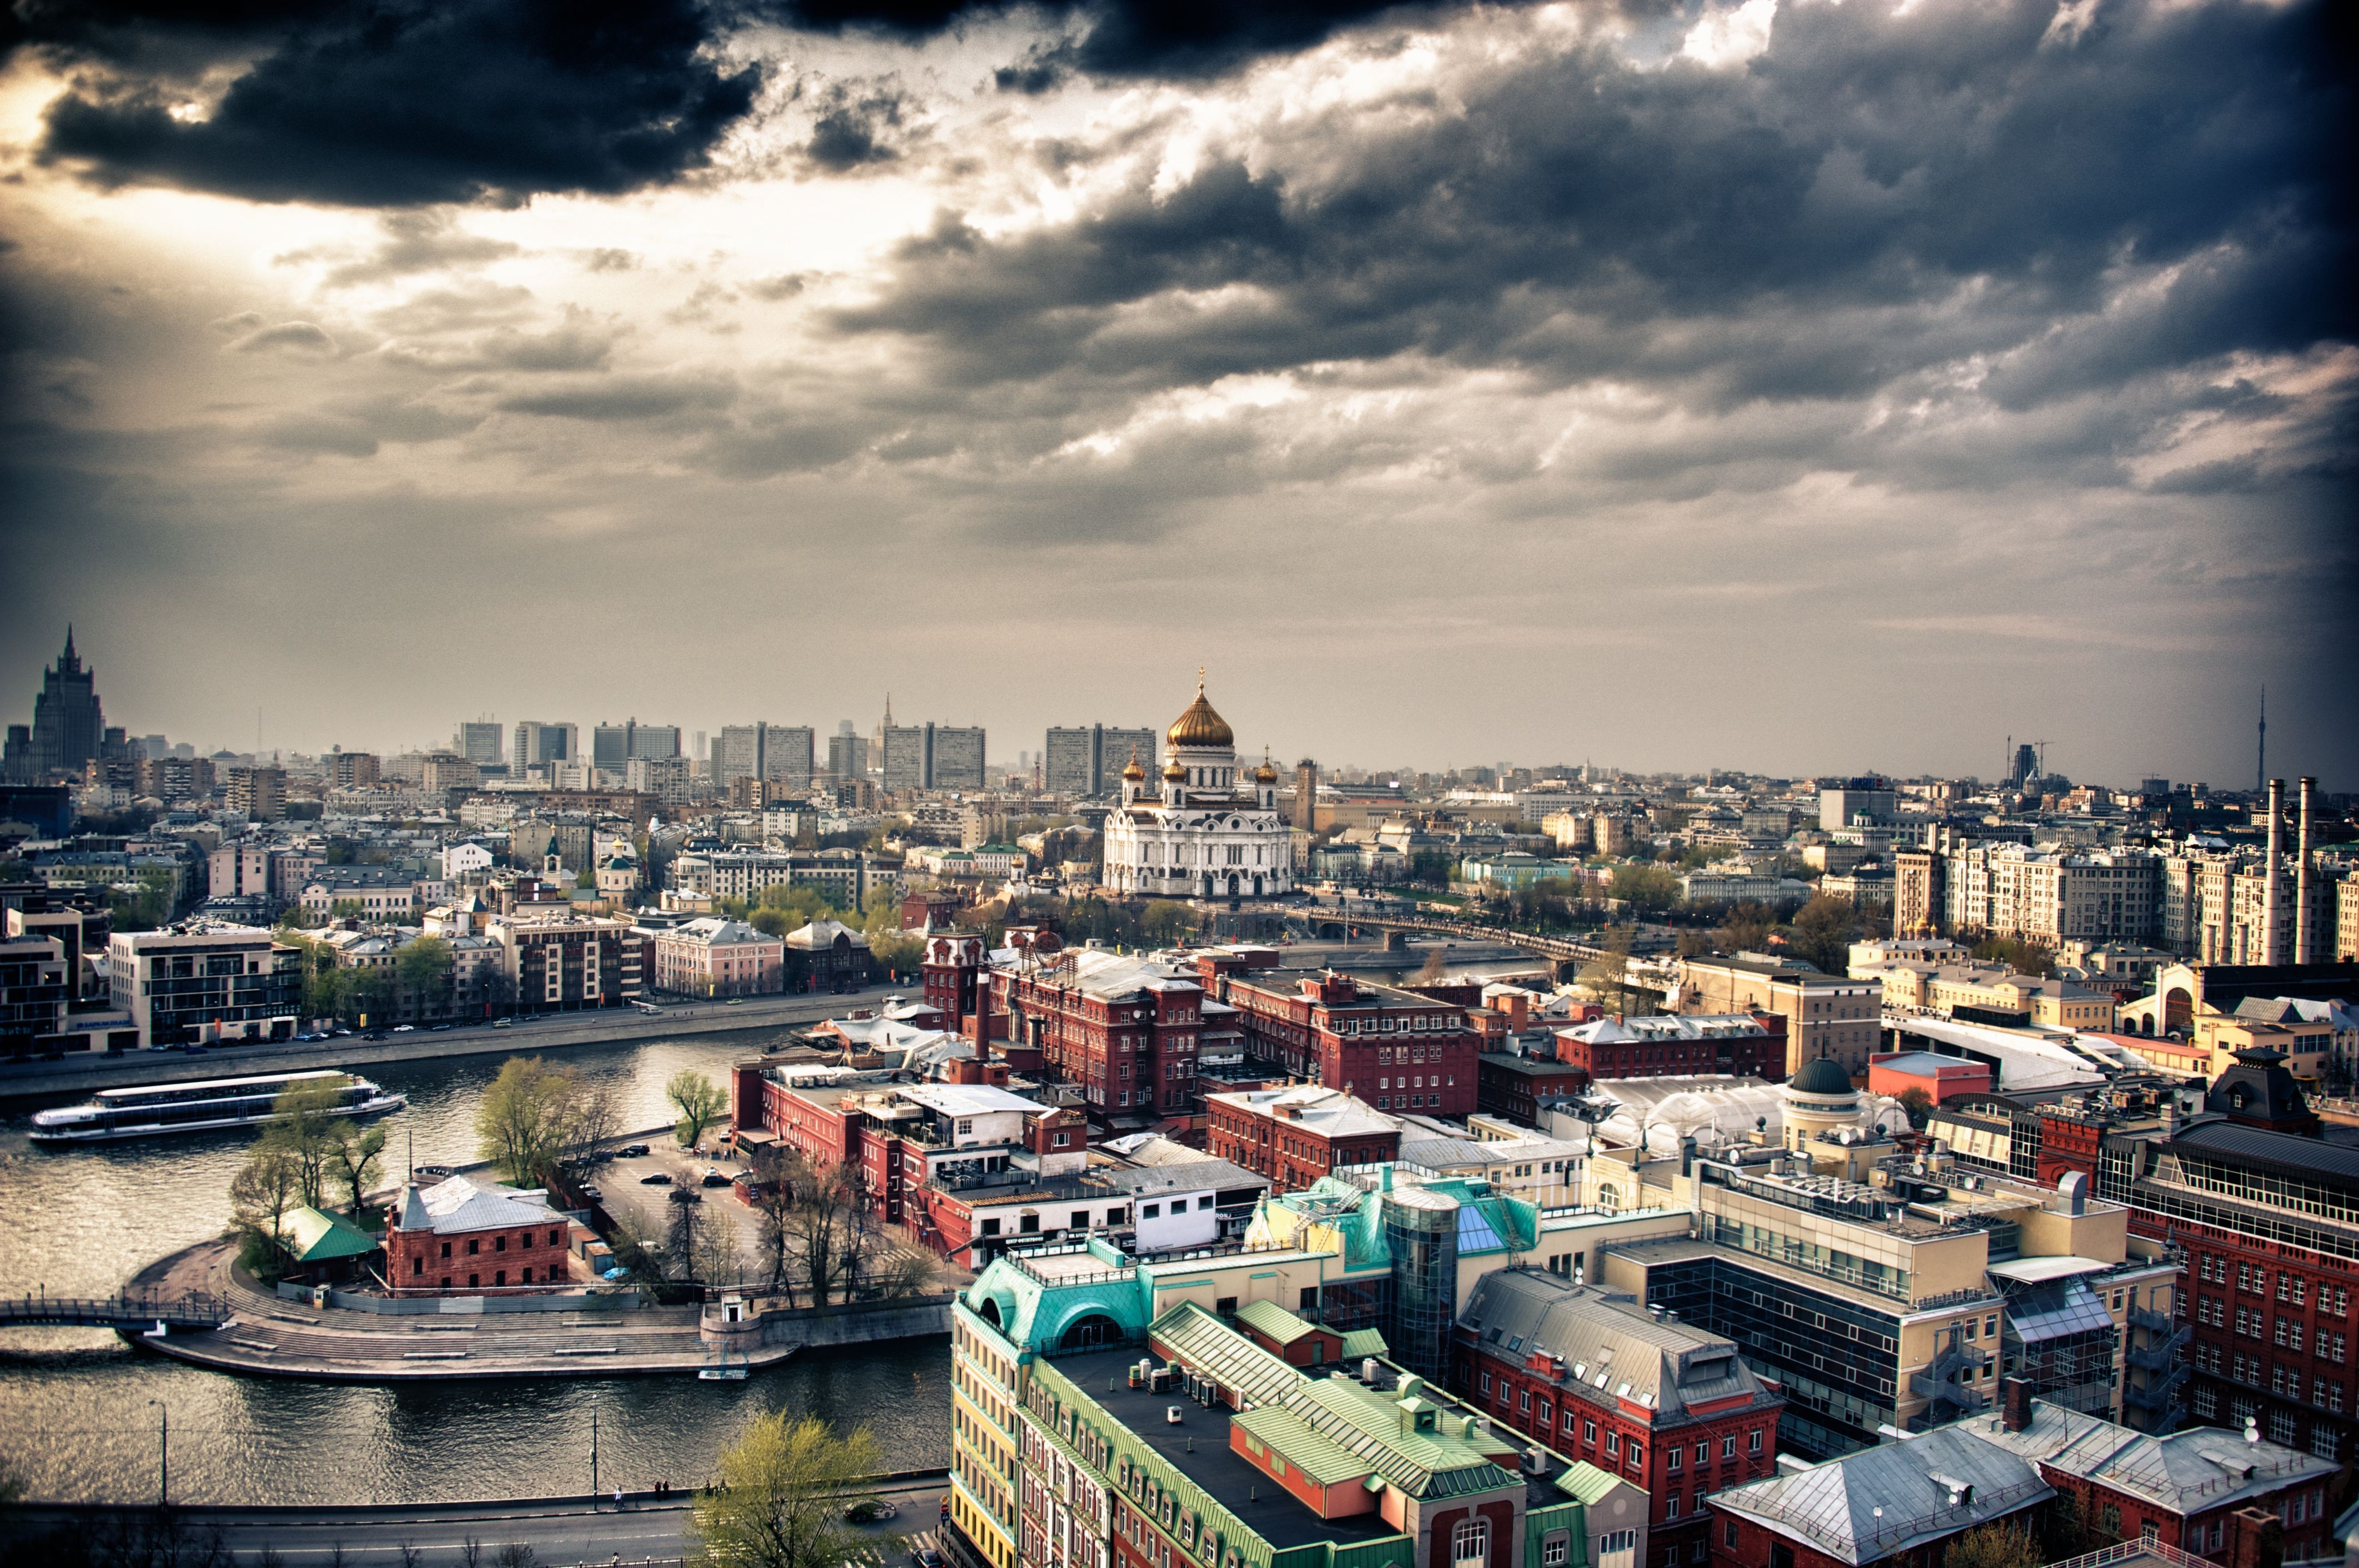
(854,126)
(624,398)
(397,103)
(1875,195)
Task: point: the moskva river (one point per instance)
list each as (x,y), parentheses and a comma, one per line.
(79,1409)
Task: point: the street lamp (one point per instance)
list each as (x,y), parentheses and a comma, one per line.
(593,1454)
(163,1457)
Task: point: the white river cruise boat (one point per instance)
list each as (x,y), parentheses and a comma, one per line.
(199,1106)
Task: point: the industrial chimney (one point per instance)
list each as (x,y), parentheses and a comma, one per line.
(2269,883)
(2301,920)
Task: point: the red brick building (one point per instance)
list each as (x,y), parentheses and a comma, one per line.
(2184,1489)
(465,1236)
(1392,1048)
(1125,1028)
(1748,1044)
(1294,1136)
(1516,1087)
(1677,1412)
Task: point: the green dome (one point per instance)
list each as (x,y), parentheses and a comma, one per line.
(1820,1075)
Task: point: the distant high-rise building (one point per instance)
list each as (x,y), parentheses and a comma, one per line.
(763,751)
(353,770)
(1090,761)
(260,793)
(68,729)
(932,756)
(2027,765)
(478,741)
(614,745)
(537,745)
(847,754)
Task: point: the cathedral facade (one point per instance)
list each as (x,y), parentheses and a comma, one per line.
(1205,829)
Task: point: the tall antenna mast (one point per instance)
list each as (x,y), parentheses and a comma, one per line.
(2261,766)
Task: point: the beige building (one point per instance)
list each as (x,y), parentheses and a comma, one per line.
(1943,988)
(2011,890)
(1826,1015)
(1888,1290)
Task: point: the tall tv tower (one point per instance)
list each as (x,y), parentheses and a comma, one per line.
(2261,768)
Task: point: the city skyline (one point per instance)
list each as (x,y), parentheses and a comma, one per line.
(1003,757)
(1778,385)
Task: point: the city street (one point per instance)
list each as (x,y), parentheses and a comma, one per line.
(558,1531)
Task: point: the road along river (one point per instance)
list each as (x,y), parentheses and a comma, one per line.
(78,1414)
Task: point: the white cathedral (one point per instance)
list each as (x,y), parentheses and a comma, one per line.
(1202,836)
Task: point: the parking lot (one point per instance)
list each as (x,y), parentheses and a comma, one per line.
(647,1209)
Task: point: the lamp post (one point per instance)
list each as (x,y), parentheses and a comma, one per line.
(163,1456)
(593,1454)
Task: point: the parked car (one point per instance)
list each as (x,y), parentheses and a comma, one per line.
(405,1029)
(438,1028)
(632,1151)
(656,1179)
(929,1558)
(685,1195)
(715,1179)
(593,1194)
(503,1023)
(869,1511)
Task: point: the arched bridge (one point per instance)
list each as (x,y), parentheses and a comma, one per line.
(192,1310)
(1563,949)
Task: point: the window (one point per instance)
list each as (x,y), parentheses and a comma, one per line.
(1671,1506)
(1204,1202)
(1752,1440)
(1728,1446)
(526,1239)
(991,1227)
(418,1265)
(446,1249)
(474,1247)
(1486,1385)
(1554,1550)
(1613,1443)
(1470,1544)
(1672,1462)
(1589,1431)
(1728,1533)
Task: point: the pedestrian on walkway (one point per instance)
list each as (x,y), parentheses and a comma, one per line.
(618,1500)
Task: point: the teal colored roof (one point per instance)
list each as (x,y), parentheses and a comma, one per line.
(1273,1322)
(317,1237)
(1036,1299)
(1365,1342)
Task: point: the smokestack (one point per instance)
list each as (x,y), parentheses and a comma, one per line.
(2301,921)
(2269,885)
(2015,1403)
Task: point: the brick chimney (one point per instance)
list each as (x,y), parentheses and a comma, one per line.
(2014,1403)
(2255,1540)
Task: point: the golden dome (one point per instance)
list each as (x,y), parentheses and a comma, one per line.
(1132,770)
(1199,726)
(1264,773)
(1174,772)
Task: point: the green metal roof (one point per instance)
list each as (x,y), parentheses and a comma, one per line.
(1586,1481)
(1313,1452)
(317,1237)
(1365,1342)
(1272,1321)
(1430,1463)
(1228,1357)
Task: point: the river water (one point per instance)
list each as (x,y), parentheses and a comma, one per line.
(78,1408)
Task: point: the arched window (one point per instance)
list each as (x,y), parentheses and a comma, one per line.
(1470,1544)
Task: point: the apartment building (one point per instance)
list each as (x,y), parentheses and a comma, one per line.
(1084,762)
(1826,1015)
(260,793)
(716,957)
(765,752)
(569,963)
(1294,1136)
(2011,890)
(1879,1294)
(199,980)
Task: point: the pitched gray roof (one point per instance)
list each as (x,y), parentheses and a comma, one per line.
(464,1203)
(1612,1348)
(1891,1499)
(2187,1472)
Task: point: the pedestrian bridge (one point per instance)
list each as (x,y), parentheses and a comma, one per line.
(194,1310)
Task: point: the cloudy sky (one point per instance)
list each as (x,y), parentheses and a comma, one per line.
(1786,384)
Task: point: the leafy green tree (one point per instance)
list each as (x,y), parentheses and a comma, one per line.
(355,1154)
(899,951)
(700,1102)
(265,1189)
(778,1502)
(1647,888)
(531,1118)
(1747,927)
(304,1119)
(1918,1104)
(1167,921)
(2020,954)
(2002,1544)
(1823,931)
(422,971)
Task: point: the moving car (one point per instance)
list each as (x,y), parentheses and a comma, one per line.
(715,1179)
(656,1179)
(632,1151)
(869,1511)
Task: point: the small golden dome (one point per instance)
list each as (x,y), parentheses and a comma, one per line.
(1265,773)
(1132,770)
(1199,726)
(1174,772)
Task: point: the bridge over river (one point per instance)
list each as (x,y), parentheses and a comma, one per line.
(195,1310)
(1340,921)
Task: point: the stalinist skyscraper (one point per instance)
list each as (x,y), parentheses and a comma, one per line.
(67,727)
